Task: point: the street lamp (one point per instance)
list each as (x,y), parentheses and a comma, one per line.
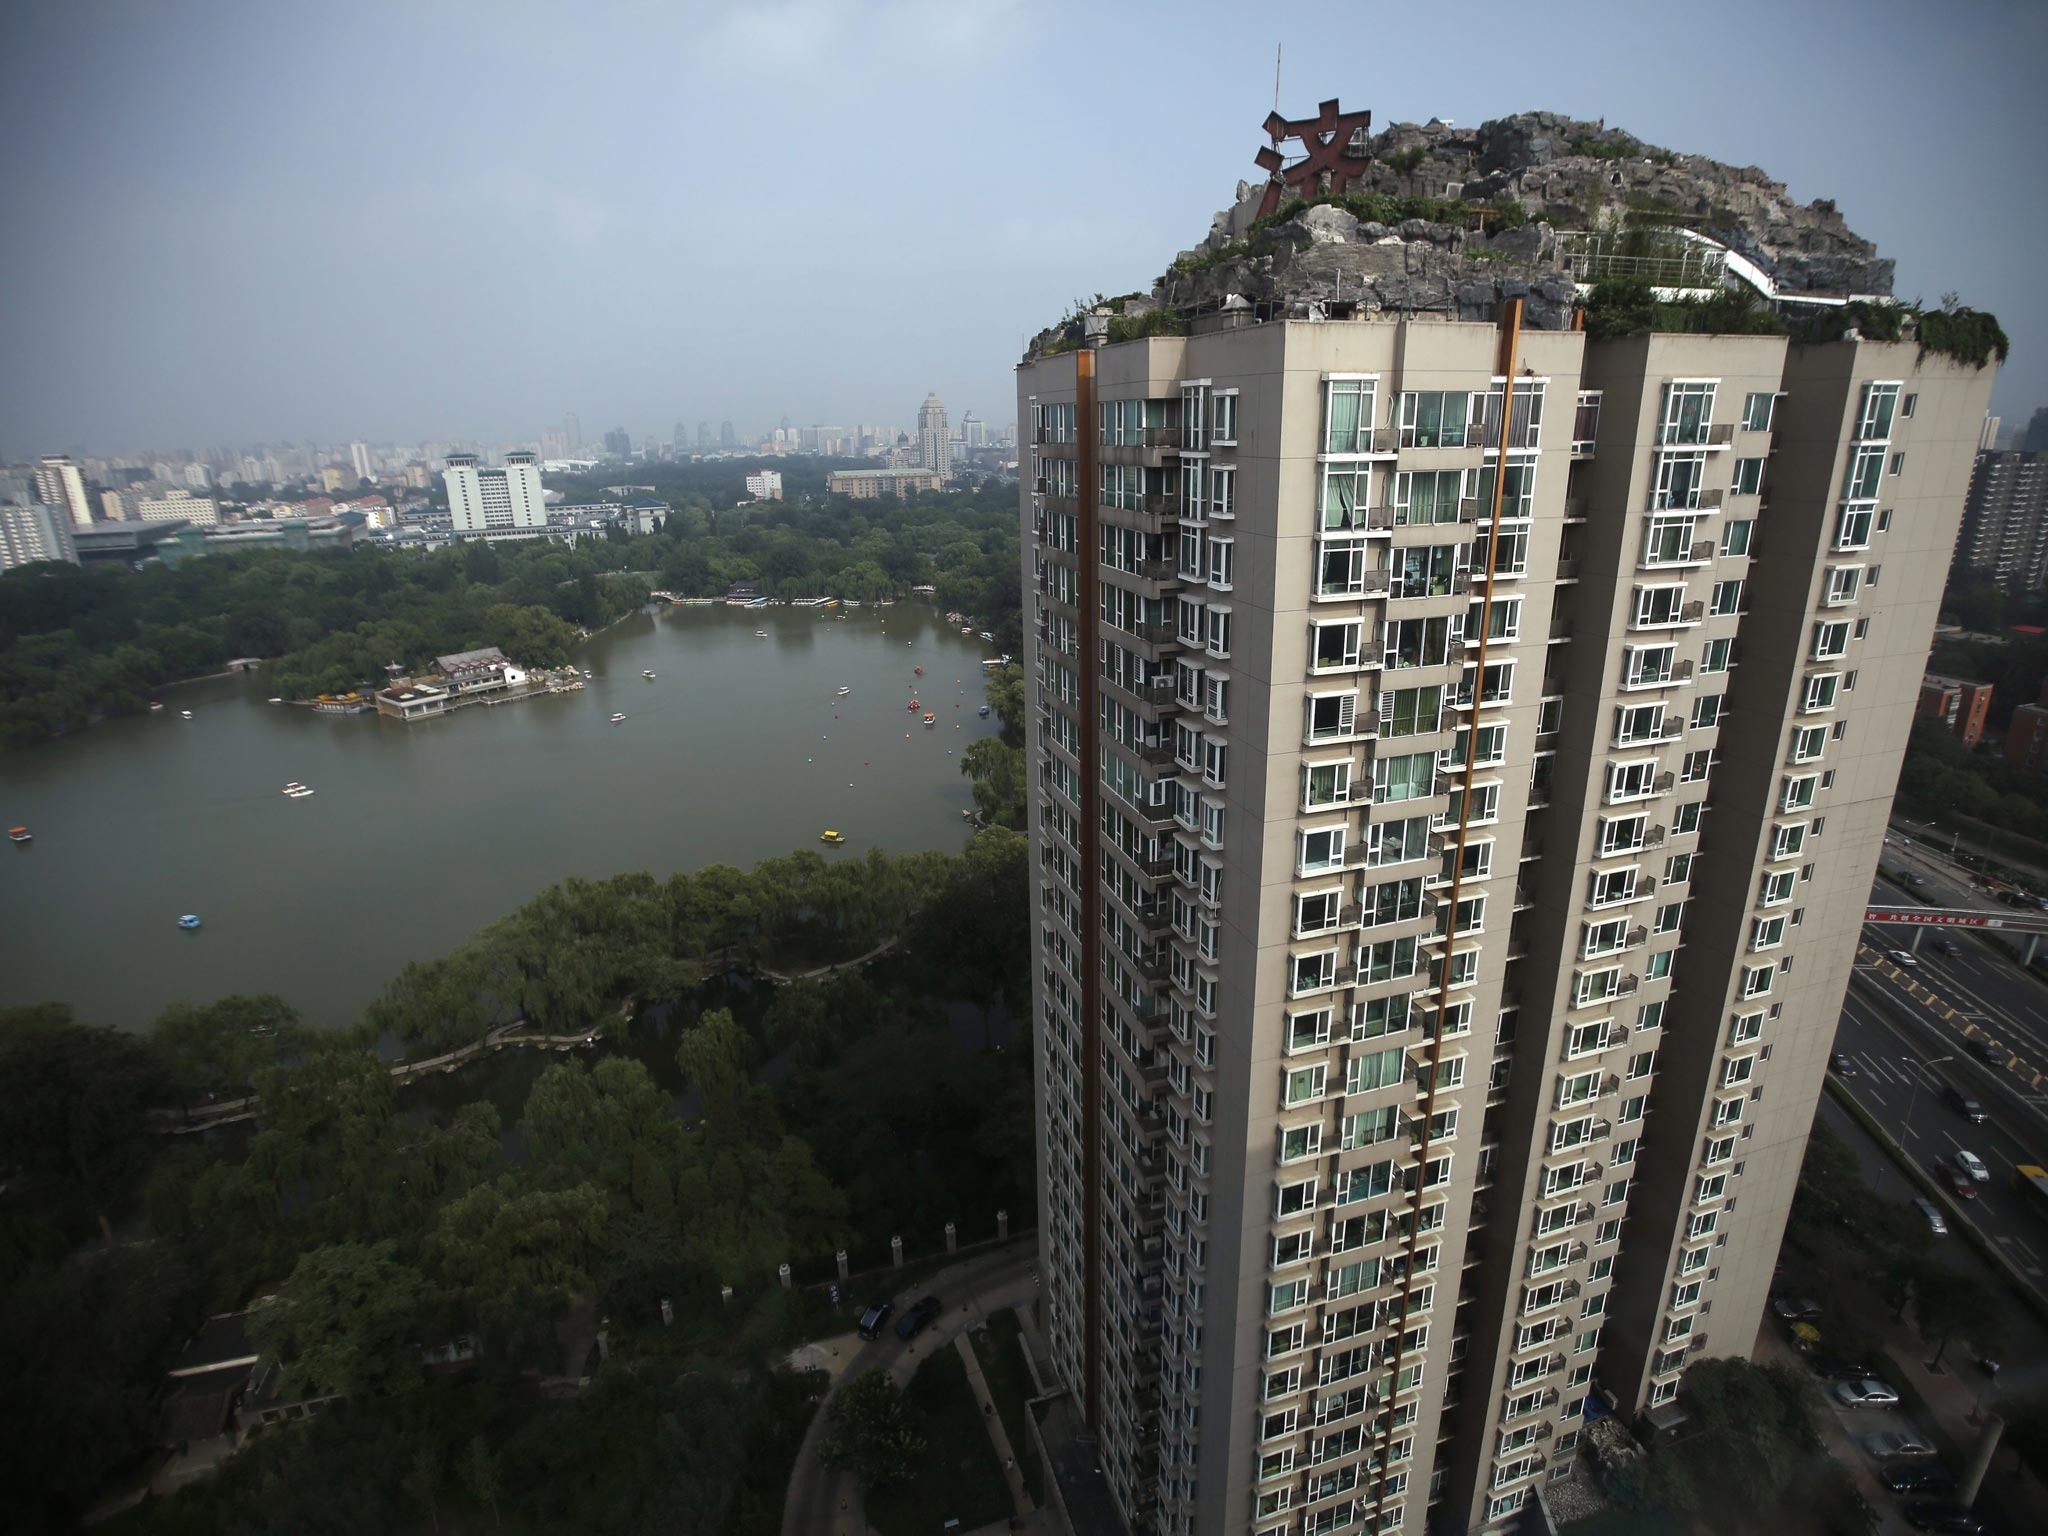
(1914,1093)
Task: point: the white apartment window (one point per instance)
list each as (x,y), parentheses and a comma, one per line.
(1799,791)
(1336,646)
(1756,979)
(1767,933)
(1637,723)
(1852,528)
(1808,743)
(1787,840)
(1843,583)
(1304,1085)
(1223,427)
(1821,691)
(1632,780)
(1756,411)
(1321,849)
(1749,477)
(1659,606)
(1746,1028)
(1777,887)
(1332,716)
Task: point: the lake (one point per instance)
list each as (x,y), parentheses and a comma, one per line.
(418,835)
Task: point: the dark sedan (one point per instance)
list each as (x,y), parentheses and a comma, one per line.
(914,1317)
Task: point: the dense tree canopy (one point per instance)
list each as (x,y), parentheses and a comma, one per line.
(728,1125)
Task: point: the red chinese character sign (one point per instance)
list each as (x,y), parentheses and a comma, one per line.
(1328,151)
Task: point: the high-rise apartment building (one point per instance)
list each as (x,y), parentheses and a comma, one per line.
(934,441)
(59,484)
(34,532)
(176,506)
(359,457)
(2004,536)
(506,503)
(1390,672)
(727,438)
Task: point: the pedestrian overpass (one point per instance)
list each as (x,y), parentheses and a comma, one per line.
(2017,920)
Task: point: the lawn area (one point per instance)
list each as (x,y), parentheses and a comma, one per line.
(999,1346)
(958,1477)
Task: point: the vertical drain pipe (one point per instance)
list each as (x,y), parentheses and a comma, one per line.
(1511,335)
(1087,669)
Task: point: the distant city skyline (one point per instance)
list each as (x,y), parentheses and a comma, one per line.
(570,216)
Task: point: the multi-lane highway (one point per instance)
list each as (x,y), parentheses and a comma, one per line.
(1909,1031)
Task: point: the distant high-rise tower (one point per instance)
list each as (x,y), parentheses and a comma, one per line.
(574,429)
(703,434)
(34,533)
(2033,437)
(934,442)
(60,485)
(359,455)
(727,438)
(618,442)
(503,503)
(2004,537)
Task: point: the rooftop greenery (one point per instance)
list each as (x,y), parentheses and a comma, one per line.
(1971,336)
(1630,307)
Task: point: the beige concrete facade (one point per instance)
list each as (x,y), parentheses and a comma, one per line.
(1333,1197)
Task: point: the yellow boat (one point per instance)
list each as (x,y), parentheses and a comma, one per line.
(834,838)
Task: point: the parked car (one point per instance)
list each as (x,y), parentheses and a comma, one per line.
(1903,958)
(1843,1063)
(1908,1477)
(1886,1443)
(1929,1515)
(871,1321)
(1964,1105)
(1973,1165)
(1932,1216)
(1794,1309)
(912,1322)
(1959,1183)
(1867,1393)
(1844,1368)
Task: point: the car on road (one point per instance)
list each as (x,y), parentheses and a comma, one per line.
(1885,1443)
(1928,1515)
(1959,1183)
(1932,1216)
(1923,1478)
(1915,881)
(1843,1064)
(1867,1393)
(912,1322)
(1794,1309)
(1964,1105)
(871,1321)
(1903,958)
(1950,948)
(1973,1165)
(1984,1050)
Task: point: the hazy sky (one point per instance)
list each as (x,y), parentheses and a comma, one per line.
(232,221)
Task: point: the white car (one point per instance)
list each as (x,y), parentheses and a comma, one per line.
(1973,1165)
(1901,957)
(1865,1394)
(1887,1443)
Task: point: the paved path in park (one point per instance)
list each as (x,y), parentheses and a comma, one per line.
(822,1502)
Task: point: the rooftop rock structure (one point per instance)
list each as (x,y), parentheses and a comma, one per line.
(1431,217)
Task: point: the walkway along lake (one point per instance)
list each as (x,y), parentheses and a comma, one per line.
(416,836)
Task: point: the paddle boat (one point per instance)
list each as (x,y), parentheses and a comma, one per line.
(844,692)
(189,921)
(157,709)
(300,793)
(646,673)
(293,787)
(618,719)
(829,836)
(919,671)
(19,835)
(931,719)
(184,714)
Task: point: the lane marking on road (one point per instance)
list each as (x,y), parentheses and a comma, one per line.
(1874,1095)
(1909,1130)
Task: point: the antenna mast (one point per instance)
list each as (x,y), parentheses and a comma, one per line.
(1276,77)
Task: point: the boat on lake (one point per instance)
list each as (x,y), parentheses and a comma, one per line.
(301,793)
(157,709)
(647,673)
(760,634)
(844,692)
(618,719)
(931,719)
(294,785)
(189,921)
(19,835)
(829,836)
(987,635)
(184,714)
